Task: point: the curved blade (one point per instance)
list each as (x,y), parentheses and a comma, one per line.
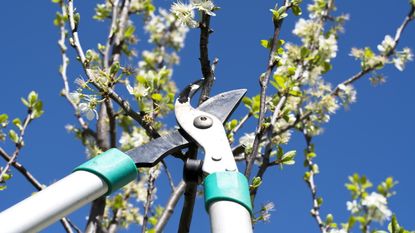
(221,106)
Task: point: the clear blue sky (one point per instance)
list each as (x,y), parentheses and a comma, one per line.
(374,137)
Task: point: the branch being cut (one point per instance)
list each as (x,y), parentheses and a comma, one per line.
(207,71)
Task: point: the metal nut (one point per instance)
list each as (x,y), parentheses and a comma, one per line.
(203,122)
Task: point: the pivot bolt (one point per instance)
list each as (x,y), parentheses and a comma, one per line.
(203,122)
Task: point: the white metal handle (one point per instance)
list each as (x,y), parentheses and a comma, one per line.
(51,204)
(229,217)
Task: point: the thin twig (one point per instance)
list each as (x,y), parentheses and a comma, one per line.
(119,35)
(19,145)
(315,211)
(169,176)
(268,148)
(263,81)
(150,190)
(29,177)
(170,206)
(111,34)
(241,123)
(63,72)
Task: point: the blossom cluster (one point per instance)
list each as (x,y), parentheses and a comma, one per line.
(185,12)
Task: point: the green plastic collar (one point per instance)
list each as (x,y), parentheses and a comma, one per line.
(229,186)
(113,166)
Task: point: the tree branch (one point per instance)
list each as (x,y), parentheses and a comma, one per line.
(315,211)
(170,206)
(19,145)
(125,105)
(150,190)
(63,73)
(208,75)
(169,176)
(263,81)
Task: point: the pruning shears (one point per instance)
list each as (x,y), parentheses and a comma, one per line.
(226,191)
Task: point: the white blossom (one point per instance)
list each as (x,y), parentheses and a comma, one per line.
(81,82)
(377,208)
(185,13)
(387,44)
(89,112)
(206,6)
(269,206)
(134,139)
(74,97)
(353,206)
(348,93)
(306,29)
(402,58)
(138,91)
(328,45)
(329,103)
(247,140)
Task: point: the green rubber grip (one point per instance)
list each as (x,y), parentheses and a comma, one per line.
(113,166)
(227,186)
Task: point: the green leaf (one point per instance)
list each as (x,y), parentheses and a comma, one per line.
(275,14)
(6,177)
(247,101)
(304,52)
(118,202)
(291,70)
(296,10)
(129,31)
(17,123)
(37,110)
(266,44)
(288,155)
(114,68)
(2,187)
(280,152)
(311,155)
(152,221)
(13,136)
(32,98)
(3,118)
(157,97)
(256,182)
(295,93)
(280,81)
(24,101)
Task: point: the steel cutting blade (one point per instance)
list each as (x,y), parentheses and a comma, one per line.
(221,106)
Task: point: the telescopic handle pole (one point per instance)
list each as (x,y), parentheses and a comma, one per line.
(99,176)
(228,202)
(51,204)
